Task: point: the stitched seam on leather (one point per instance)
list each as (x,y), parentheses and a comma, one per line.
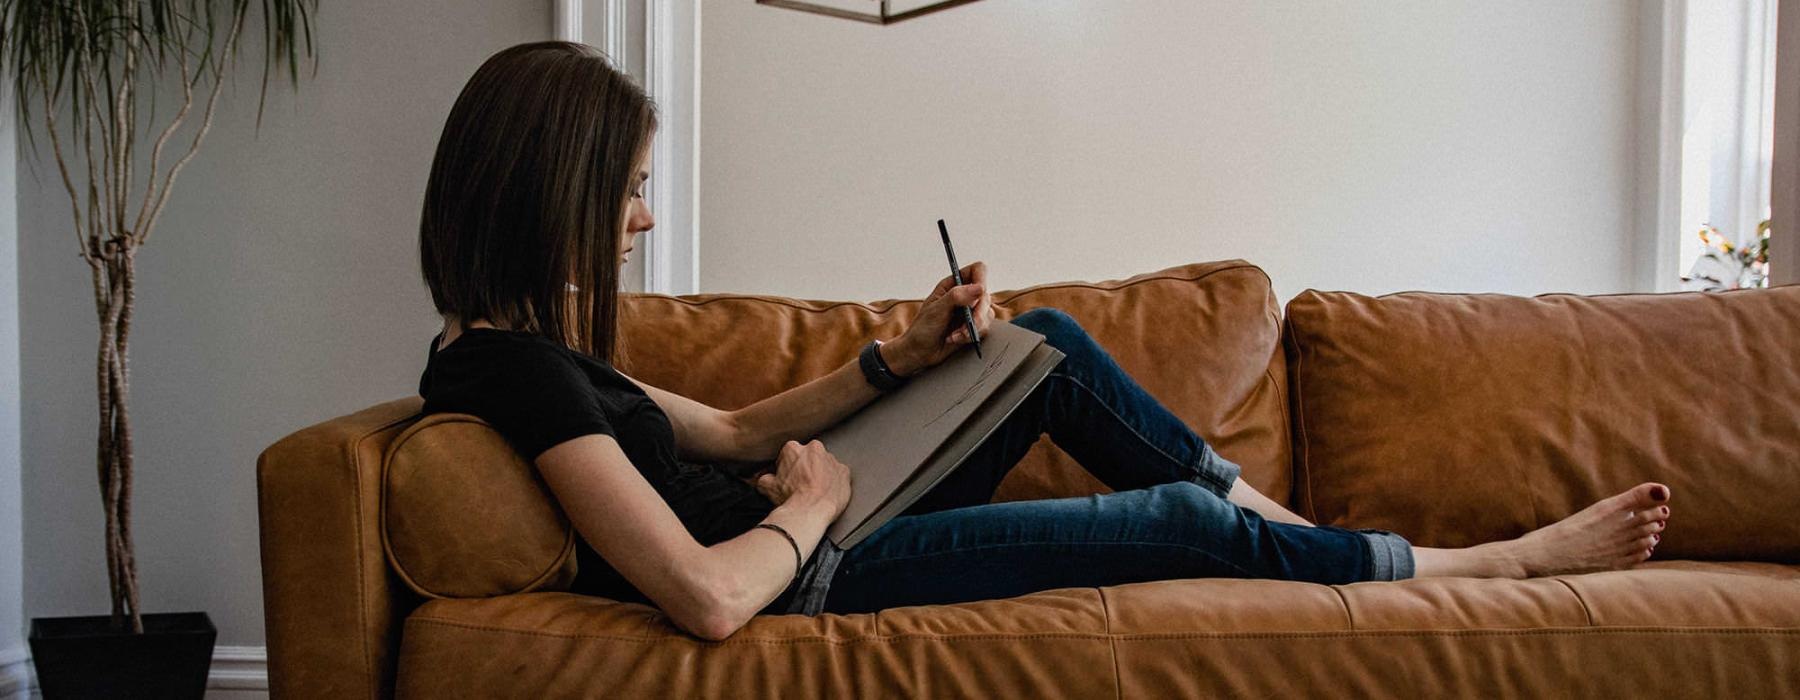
(362,611)
(362,598)
(435,419)
(1112,647)
(1281,402)
(1143,636)
(1091,285)
(1281,398)
(1296,386)
(1556,296)
(1073,636)
(1349,619)
(780,301)
(1539,632)
(387,548)
(362,605)
(1584,606)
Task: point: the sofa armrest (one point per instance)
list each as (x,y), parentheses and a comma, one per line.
(331,608)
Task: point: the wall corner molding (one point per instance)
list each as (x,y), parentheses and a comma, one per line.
(1662,48)
(668,67)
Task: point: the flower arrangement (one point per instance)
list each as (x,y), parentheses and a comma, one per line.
(1729,266)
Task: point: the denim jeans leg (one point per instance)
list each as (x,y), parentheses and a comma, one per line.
(1390,556)
(1093,410)
(1169,531)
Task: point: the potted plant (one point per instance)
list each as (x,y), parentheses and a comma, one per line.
(1727,265)
(82,66)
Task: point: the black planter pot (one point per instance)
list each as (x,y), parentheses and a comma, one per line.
(84,657)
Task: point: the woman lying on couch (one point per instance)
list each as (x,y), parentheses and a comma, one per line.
(534,202)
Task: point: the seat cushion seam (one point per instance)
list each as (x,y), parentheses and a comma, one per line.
(1585,611)
(1112,647)
(1349,619)
(1144,636)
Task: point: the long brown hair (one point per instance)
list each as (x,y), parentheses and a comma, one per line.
(528,193)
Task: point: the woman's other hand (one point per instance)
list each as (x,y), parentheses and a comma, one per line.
(938,330)
(807,471)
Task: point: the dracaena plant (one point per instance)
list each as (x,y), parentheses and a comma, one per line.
(84,67)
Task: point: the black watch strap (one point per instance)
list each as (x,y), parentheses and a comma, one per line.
(876,371)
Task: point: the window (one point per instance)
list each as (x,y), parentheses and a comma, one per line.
(1727,127)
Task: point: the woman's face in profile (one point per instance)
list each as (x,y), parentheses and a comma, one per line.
(637,208)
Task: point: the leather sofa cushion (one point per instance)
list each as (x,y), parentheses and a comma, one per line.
(1459,419)
(1178,638)
(1203,338)
(464,516)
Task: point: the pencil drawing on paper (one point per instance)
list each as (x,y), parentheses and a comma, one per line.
(975,388)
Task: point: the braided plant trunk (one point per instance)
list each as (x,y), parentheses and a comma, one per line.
(87,54)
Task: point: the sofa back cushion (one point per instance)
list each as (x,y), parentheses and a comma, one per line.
(1459,419)
(1203,338)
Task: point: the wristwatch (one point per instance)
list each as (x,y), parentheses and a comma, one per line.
(876,371)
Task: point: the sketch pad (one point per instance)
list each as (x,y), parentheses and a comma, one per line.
(903,443)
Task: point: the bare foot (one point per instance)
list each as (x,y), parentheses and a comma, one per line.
(1614,533)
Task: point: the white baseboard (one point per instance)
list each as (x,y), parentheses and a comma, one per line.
(15,673)
(233,668)
(239,668)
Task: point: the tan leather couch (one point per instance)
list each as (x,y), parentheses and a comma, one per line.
(423,557)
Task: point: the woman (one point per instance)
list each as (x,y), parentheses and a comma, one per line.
(534,201)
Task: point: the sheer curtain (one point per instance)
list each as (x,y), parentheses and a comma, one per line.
(1727,126)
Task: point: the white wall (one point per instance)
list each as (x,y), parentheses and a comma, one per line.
(281,288)
(12,579)
(1368,146)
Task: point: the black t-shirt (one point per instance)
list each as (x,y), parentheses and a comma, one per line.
(538,393)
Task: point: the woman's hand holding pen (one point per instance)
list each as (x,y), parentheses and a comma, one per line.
(938,330)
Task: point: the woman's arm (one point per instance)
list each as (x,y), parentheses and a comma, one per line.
(708,591)
(810,408)
(755,433)
(704,432)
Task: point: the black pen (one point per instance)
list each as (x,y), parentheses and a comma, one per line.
(956,276)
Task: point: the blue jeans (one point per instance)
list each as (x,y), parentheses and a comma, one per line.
(1166,518)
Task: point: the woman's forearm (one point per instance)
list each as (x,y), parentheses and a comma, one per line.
(750,570)
(802,412)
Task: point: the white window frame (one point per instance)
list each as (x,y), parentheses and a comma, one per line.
(658,42)
(1675,180)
